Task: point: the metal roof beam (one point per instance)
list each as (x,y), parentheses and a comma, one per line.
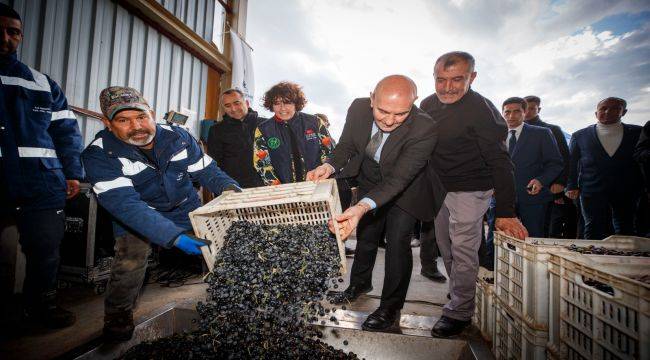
(155,15)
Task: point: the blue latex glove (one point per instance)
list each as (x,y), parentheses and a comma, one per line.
(190,244)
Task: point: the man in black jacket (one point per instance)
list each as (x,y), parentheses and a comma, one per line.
(561,216)
(385,145)
(472,162)
(230,142)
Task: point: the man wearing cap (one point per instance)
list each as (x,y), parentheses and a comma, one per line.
(142,174)
(40,145)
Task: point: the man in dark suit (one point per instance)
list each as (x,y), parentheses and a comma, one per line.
(561,221)
(385,145)
(603,172)
(537,163)
(230,142)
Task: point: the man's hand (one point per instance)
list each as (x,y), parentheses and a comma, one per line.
(190,244)
(349,220)
(320,173)
(534,187)
(557,188)
(573,194)
(512,227)
(72,188)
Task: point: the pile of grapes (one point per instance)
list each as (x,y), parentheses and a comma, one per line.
(265,290)
(599,250)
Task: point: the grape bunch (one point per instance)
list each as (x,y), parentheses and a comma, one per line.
(264,293)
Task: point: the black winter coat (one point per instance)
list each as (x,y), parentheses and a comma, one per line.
(230,144)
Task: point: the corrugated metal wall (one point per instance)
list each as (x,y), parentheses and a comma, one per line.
(87,45)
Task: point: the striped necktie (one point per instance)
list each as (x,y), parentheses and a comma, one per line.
(374,144)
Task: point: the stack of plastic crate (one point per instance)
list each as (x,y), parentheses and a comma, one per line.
(522,285)
(514,339)
(600,307)
(484,312)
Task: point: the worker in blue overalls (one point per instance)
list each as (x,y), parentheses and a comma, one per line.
(40,146)
(142,174)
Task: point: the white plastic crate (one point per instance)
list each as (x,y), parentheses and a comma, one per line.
(298,203)
(592,323)
(484,313)
(521,271)
(514,339)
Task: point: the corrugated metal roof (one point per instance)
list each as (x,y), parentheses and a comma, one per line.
(88,45)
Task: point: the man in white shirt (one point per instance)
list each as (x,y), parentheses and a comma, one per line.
(603,172)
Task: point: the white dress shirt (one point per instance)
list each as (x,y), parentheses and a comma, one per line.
(517,132)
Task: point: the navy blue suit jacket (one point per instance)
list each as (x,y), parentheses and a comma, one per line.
(536,156)
(593,171)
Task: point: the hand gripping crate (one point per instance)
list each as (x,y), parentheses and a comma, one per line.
(521,272)
(514,339)
(297,203)
(484,313)
(604,311)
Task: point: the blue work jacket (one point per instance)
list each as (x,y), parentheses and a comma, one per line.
(151,199)
(40,142)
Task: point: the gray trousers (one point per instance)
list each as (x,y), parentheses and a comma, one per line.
(458,233)
(127,274)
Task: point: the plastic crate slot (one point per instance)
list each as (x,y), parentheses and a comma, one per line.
(620,315)
(608,355)
(578,339)
(619,340)
(517,275)
(579,317)
(517,261)
(574,355)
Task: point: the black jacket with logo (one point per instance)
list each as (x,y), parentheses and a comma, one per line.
(273,154)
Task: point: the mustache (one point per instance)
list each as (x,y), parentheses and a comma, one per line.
(450,92)
(138,132)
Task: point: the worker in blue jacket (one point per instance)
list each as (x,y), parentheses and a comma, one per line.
(40,144)
(142,174)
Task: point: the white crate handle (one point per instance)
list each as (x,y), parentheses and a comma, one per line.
(512,247)
(580,280)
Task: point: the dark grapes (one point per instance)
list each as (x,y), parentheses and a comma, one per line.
(264,291)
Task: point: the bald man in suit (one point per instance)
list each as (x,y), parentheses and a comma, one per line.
(385,145)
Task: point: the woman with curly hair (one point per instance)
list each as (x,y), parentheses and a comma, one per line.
(291,142)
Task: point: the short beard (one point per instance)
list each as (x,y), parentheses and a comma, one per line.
(145,142)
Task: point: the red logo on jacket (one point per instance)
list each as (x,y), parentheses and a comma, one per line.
(310,135)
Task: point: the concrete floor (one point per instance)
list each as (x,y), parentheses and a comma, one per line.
(424,298)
